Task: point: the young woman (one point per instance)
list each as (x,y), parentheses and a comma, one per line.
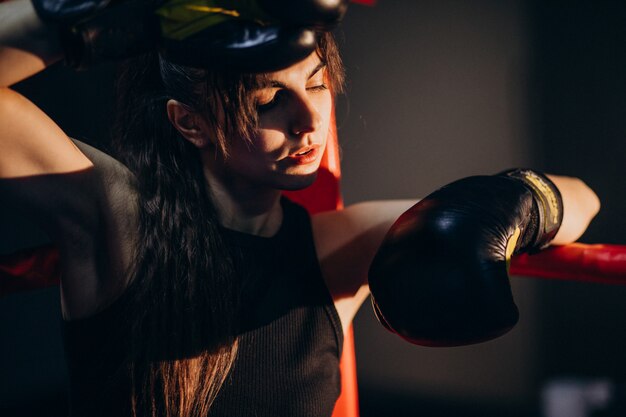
(190,287)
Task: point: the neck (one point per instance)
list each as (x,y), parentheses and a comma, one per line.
(243,207)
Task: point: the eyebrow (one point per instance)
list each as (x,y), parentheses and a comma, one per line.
(278,84)
(316,69)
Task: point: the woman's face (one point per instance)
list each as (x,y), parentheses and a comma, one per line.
(294,109)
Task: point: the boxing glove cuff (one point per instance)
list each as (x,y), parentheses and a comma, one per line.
(548,201)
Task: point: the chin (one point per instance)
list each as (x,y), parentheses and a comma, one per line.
(299,182)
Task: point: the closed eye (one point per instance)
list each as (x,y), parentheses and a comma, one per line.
(270,101)
(320,87)
(268,104)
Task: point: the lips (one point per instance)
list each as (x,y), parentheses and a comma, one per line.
(305,155)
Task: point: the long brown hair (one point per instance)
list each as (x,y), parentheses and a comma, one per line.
(184,315)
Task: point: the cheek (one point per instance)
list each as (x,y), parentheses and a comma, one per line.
(324,103)
(326,114)
(267,141)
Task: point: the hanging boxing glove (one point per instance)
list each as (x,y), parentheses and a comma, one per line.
(246,35)
(316,14)
(242,45)
(199,33)
(440,277)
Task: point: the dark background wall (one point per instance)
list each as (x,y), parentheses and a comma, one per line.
(454,89)
(437,90)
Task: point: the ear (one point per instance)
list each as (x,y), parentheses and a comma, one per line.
(190,124)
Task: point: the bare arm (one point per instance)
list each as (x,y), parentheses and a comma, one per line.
(580,206)
(347,240)
(31,143)
(73,197)
(81,197)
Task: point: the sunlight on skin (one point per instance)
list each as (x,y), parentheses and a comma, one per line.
(580,205)
(28,46)
(10,57)
(56,153)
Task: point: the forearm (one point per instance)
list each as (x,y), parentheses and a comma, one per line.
(580,205)
(27,45)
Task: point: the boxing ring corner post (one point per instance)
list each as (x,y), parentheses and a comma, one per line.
(323,195)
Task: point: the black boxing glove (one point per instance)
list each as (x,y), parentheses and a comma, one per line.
(243,45)
(239,34)
(440,277)
(247,35)
(317,14)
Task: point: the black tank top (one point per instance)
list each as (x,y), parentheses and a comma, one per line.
(289,348)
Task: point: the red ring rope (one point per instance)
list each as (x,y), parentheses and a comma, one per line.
(575,262)
(38,267)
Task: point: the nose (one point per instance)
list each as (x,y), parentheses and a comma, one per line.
(305,118)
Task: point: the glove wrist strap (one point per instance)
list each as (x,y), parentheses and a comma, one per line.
(548,200)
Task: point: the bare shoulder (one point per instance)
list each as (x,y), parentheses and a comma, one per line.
(346,241)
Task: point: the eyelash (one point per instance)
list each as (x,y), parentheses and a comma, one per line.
(320,87)
(261,108)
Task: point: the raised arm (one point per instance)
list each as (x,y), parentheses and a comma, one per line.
(35,152)
(45,175)
(31,143)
